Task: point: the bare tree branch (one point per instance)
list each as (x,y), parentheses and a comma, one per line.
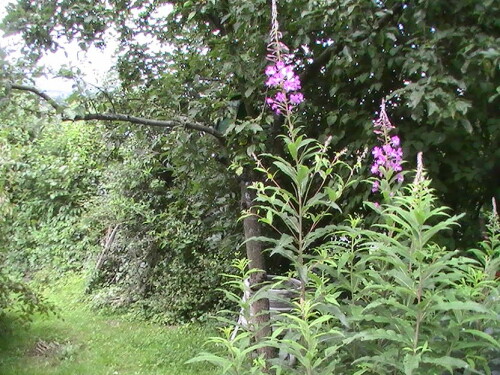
(186,123)
(148,122)
(59,108)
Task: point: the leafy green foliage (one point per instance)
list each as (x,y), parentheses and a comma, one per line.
(19,300)
(380,300)
(52,169)
(16,296)
(304,205)
(437,61)
(65,185)
(175,230)
(236,342)
(411,304)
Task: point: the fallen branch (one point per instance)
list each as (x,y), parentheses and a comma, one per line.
(110,237)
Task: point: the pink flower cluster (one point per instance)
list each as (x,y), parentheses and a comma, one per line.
(282,77)
(390,155)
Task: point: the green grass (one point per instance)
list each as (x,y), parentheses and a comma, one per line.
(83,342)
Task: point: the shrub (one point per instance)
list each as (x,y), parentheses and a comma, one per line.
(173,239)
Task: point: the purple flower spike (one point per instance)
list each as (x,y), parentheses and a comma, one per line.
(280,75)
(390,155)
(280,97)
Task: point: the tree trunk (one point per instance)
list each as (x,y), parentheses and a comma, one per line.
(259,309)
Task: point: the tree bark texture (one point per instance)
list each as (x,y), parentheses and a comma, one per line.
(260,317)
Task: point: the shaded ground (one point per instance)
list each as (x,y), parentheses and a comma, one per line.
(82,342)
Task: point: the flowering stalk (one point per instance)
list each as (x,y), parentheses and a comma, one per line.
(280,74)
(282,78)
(389,156)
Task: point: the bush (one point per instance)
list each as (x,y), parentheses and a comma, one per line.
(172,239)
(17,298)
(48,175)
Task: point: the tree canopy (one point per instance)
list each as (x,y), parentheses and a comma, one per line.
(199,64)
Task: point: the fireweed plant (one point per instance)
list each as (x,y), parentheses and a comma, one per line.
(280,74)
(380,300)
(388,158)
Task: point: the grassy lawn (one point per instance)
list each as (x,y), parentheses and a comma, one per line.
(81,341)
